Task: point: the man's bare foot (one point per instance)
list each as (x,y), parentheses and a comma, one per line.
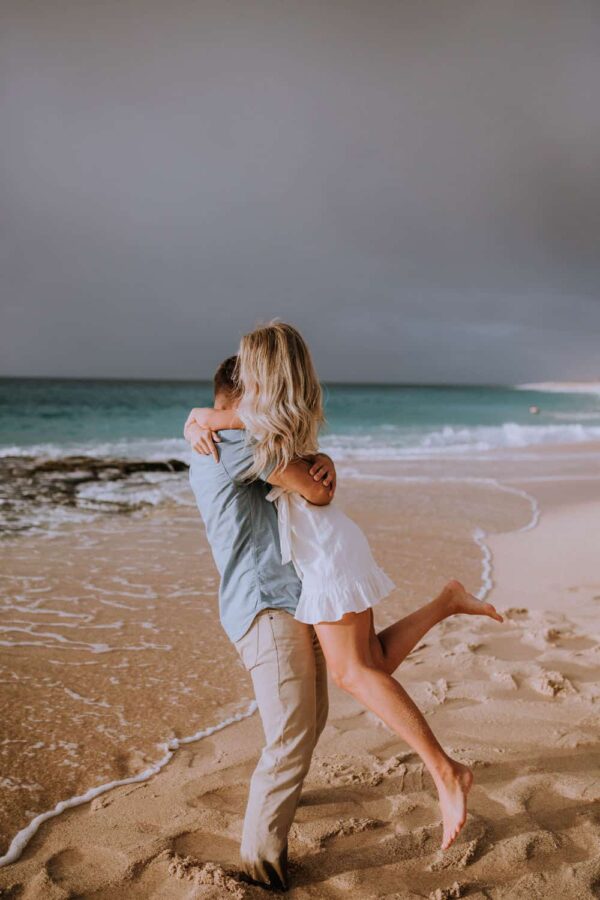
(456,599)
(453,788)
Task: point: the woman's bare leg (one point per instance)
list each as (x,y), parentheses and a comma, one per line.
(399,639)
(348,654)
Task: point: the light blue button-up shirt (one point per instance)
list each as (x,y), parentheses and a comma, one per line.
(241,526)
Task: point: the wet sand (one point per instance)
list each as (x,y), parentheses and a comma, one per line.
(117,650)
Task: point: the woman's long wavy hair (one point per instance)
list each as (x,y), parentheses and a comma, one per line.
(282,400)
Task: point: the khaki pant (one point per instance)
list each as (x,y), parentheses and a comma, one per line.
(288,671)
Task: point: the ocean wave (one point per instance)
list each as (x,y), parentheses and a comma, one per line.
(387,440)
(46,486)
(561,387)
(452,440)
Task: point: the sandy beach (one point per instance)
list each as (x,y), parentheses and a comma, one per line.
(518,702)
(365,230)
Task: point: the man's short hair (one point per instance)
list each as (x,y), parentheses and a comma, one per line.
(225,378)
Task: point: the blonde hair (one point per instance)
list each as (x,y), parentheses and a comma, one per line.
(282,400)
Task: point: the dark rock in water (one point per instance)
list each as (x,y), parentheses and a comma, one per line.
(92,464)
(30,487)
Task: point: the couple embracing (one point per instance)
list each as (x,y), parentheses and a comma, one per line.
(298,583)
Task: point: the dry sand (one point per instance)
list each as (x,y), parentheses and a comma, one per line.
(519,702)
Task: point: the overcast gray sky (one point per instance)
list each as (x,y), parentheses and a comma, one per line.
(416,185)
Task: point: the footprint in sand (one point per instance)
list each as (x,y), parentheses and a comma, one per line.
(548,637)
(552,684)
(466,850)
(580,882)
(312,799)
(370,771)
(517,796)
(398,762)
(437,691)
(516,613)
(464,648)
(80,873)
(202,845)
(341,769)
(525,846)
(209,874)
(506,679)
(449,893)
(574,738)
(229,798)
(317,833)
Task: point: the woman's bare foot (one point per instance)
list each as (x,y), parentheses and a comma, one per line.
(453,787)
(456,599)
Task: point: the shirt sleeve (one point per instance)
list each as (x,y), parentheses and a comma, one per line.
(237,459)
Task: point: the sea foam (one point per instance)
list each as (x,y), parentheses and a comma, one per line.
(20,841)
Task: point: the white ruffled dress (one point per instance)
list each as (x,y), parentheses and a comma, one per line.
(331,556)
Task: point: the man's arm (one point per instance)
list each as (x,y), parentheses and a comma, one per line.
(296,477)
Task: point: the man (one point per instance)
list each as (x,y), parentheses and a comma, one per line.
(257,599)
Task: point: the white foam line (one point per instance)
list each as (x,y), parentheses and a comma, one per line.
(487,582)
(458,479)
(93,648)
(480,536)
(519,492)
(20,841)
(64,643)
(110,626)
(35,610)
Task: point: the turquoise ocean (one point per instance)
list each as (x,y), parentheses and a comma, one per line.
(46,423)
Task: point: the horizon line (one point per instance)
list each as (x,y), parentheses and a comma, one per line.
(326,381)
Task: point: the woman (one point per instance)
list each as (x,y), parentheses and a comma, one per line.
(281,408)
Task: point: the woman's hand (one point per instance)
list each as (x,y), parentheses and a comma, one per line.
(323,469)
(203,440)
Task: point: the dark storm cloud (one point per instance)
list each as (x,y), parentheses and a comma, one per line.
(414,184)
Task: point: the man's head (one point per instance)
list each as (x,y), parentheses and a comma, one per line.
(226,387)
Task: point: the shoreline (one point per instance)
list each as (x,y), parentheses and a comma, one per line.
(20,841)
(558,496)
(41,493)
